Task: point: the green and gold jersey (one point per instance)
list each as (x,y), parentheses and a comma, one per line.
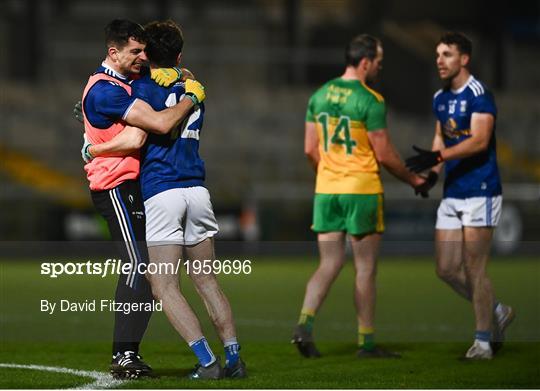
(344,111)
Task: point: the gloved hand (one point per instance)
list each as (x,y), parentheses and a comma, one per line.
(166,77)
(424,160)
(77,111)
(195,91)
(431,180)
(85,153)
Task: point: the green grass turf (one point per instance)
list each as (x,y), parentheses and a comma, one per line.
(417,315)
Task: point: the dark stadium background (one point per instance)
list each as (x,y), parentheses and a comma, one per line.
(260,60)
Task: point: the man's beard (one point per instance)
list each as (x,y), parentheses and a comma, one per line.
(447,82)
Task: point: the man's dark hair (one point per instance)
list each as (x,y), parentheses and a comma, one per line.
(362,46)
(164,42)
(462,42)
(119,31)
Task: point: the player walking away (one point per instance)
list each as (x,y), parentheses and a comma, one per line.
(346,139)
(107,105)
(180,220)
(471,205)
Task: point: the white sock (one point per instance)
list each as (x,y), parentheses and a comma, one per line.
(230,341)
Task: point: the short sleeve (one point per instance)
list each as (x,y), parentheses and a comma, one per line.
(434,107)
(139,90)
(484,103)
(109,99)
(310,113)
(376,115)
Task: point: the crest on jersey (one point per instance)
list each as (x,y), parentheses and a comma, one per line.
(452,106)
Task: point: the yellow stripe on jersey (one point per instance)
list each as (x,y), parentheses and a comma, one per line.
(377,96)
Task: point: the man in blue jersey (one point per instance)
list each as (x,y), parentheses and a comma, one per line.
(109,106)
(179,217)
(471,206)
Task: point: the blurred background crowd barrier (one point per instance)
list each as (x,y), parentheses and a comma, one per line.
(260,61)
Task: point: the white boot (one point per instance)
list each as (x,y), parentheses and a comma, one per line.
(479,352)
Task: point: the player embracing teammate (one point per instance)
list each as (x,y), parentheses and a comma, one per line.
(346,141)
(177,217)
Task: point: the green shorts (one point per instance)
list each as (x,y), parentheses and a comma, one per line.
(356,214)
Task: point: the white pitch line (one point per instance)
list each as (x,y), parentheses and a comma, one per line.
(101,380)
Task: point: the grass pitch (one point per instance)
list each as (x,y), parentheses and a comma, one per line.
(417,315)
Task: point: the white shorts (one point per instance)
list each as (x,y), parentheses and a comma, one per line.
(455,213)
(181,216)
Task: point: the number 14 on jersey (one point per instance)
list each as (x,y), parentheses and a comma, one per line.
(341,132)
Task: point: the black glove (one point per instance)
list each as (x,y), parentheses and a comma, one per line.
(424,160)
(77,111)
(431,180)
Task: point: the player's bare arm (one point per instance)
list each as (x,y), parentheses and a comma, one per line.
(143,116)
(311,144)
(127,141)
(388,157)
(438,145)
(481,130)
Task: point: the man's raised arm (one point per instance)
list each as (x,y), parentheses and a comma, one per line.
(143,116)
(388,157)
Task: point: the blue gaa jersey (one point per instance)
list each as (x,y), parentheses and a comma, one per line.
(107,102)
(474,176)
(172,160)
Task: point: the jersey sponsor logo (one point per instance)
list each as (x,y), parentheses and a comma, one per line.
(338,94)
(450,130)
(463,106)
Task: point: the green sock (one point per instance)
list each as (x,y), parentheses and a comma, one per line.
(307,317)
(366,338)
